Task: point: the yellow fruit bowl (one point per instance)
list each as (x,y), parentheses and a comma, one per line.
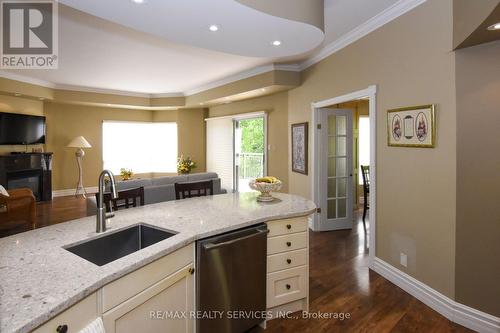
(265,186)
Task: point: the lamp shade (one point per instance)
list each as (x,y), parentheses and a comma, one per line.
(79,142)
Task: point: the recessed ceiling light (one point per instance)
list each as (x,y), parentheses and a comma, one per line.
(17,94)
(41,98)
(138,1)
(277,43)
(495,26)
(213,28)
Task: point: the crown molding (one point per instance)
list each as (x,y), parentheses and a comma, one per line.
(26,79)
(243,75)
(100,91)
(399,8)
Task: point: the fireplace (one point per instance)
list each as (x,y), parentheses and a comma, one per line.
(31,179)
(30,170)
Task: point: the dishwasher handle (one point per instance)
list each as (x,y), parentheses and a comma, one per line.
(211,246)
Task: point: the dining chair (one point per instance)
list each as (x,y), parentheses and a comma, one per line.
(193,189)
(126,199)
(365,171)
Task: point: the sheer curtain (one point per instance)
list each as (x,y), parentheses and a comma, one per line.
(140,146)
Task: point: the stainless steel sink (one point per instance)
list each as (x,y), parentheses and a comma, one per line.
(116,245)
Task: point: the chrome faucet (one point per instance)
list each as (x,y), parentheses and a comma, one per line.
(102,215)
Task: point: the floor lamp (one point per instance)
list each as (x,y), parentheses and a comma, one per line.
(80,143)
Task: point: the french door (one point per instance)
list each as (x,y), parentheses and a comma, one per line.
(336,181)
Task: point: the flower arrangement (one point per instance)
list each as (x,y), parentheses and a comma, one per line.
(126,174)
(185,165)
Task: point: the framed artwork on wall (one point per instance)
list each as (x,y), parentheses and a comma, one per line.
(300,147)
(412,127)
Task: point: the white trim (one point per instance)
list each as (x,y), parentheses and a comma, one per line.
(116,92)
(461,314)
(399,8)
(371,93)
(69,87)
(26,79)
(71,191)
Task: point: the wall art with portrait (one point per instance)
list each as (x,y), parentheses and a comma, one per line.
(412,126)
(300,147)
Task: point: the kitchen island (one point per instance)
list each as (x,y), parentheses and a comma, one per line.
(40,279)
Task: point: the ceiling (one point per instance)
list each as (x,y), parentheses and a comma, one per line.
(128,54)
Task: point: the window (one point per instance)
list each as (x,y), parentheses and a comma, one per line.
(364,143)
(142,147)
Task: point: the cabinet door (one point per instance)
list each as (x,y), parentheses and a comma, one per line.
(164,307)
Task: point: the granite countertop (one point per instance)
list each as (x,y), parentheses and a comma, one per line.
(39,279)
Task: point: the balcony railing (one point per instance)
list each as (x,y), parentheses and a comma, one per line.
(251,165)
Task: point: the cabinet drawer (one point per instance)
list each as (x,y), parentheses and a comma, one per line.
(133,283)
(76,317)
(286,286)
(289,259)
(284,243)
(287,226)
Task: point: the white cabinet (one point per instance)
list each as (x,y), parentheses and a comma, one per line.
(156,298)
(288,265)
(164,307)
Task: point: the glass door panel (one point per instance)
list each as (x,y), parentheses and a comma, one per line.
(336,166)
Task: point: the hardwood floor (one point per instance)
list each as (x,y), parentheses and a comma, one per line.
(340,282)
(58,210)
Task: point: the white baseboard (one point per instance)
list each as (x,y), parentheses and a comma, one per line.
(71,191)
(454,311)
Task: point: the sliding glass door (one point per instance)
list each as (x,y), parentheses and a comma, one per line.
(249,151)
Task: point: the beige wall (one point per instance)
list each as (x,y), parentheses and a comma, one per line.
(478,177)
(191,133)
(277,107)
(410,61)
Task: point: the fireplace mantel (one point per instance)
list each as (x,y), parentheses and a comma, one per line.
(15,168)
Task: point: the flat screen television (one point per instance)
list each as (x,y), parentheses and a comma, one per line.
(20,129)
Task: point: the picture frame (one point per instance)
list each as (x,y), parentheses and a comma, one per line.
(413,126)
(300,147)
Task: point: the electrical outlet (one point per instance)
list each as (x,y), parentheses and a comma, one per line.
(403,259)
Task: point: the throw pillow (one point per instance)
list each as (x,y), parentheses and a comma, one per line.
(4,191)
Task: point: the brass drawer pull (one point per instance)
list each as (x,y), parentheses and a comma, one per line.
(288,286)
(289,226)
(289,261)
(288,244)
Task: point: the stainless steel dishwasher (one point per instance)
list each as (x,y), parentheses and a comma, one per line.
(231,280)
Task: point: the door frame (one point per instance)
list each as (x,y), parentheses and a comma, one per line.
(243,116)
(371,94)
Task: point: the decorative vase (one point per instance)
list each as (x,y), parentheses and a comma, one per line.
(265,189)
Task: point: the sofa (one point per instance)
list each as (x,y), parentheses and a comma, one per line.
(159,189)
